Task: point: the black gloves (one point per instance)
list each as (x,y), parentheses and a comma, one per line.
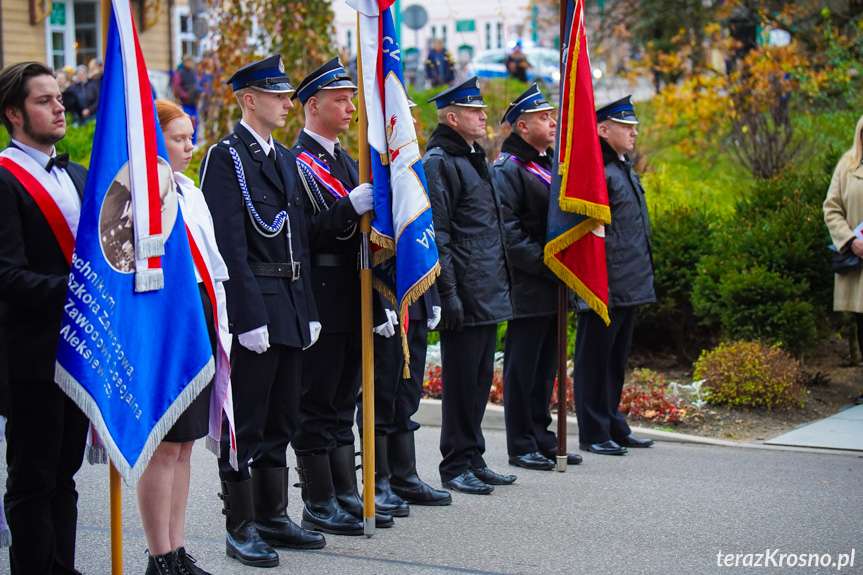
(452,313)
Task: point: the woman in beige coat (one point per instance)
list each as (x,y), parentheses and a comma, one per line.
(843,211)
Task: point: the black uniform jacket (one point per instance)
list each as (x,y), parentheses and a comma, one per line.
(334,238)
(525,211)
(627,238)
(34,277)
(286,307)
(469,228)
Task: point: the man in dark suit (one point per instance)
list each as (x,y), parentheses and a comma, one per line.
(332,370)
(251,186)
(522,176)
(46,430)
(602,351)
(474,282)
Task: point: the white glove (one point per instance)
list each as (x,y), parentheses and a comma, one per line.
(435,318)
(315,330)
(388,329)
(362,198)
(257,340)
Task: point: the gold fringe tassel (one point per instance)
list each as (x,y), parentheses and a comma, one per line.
(570,279)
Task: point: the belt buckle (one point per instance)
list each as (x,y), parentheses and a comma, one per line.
(295,271)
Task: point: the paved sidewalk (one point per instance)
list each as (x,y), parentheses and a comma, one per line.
(841,431)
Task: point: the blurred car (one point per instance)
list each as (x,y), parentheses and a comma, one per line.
(544,64)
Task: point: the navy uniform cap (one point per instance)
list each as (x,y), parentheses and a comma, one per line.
(466,94)
(531,100)
(267,75)
(330,76)
(620,111)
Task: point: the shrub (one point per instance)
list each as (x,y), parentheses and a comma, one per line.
(769,257)
(680,238)
(751,374)
(647,397)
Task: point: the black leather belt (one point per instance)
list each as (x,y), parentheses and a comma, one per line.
(330,260)
(267,269)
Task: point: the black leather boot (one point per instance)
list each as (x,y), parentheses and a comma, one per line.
(270,494)
(404,480)
(321,510)
(242,541)
(385,500)
(344,469)
(162,564)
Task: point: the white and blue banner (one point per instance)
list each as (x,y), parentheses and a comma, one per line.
(402,226)
(134,349)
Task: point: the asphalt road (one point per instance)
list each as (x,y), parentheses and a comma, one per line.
(669,509)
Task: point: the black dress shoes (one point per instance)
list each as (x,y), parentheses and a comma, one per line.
(605,448)
(571,458)
(487,475)
(535,460)
(468,483)
(633,441)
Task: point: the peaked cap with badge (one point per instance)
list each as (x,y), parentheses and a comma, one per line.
(531,100)
(620,111)
(267,75)
(330,76)
(466,94)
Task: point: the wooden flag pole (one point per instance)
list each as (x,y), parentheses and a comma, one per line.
(116,488)
(116,523)
(366,317)
(562,306)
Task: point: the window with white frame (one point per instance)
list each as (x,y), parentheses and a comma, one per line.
(72,35)
(185,41)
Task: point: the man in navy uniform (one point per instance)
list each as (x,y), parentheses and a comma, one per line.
(474,282)
(334,201)
(602,352)
(46,430)
(522,177)
(396,399)
(253,192)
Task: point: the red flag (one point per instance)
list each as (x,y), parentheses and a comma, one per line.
(575,246)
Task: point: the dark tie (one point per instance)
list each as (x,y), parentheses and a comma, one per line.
(60,160)
(337,151)
(272,156)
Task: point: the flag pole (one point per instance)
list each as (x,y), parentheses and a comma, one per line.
(366,314)
(116,488)
(562,305)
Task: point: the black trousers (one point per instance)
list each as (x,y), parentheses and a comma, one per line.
(601,355)
(46,433)
(266,394)
(397,398)
(466,377)
(332,375)
(529,369)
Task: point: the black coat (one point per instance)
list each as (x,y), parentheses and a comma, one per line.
(525,211)
(628,251)
(286,307)
(469,228)
(34,276)
(334,237)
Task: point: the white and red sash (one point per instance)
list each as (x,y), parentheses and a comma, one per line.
(322,174)
(221,399)
(535,169)
(61,211)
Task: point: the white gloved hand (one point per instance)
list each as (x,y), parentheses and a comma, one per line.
(257,340)
(362,198)
(388,329)
(315,330)
(435,318)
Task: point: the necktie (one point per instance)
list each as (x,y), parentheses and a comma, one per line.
(337,151)
(60,161)
(272,156)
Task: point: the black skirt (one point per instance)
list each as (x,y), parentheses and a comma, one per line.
(195,421)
